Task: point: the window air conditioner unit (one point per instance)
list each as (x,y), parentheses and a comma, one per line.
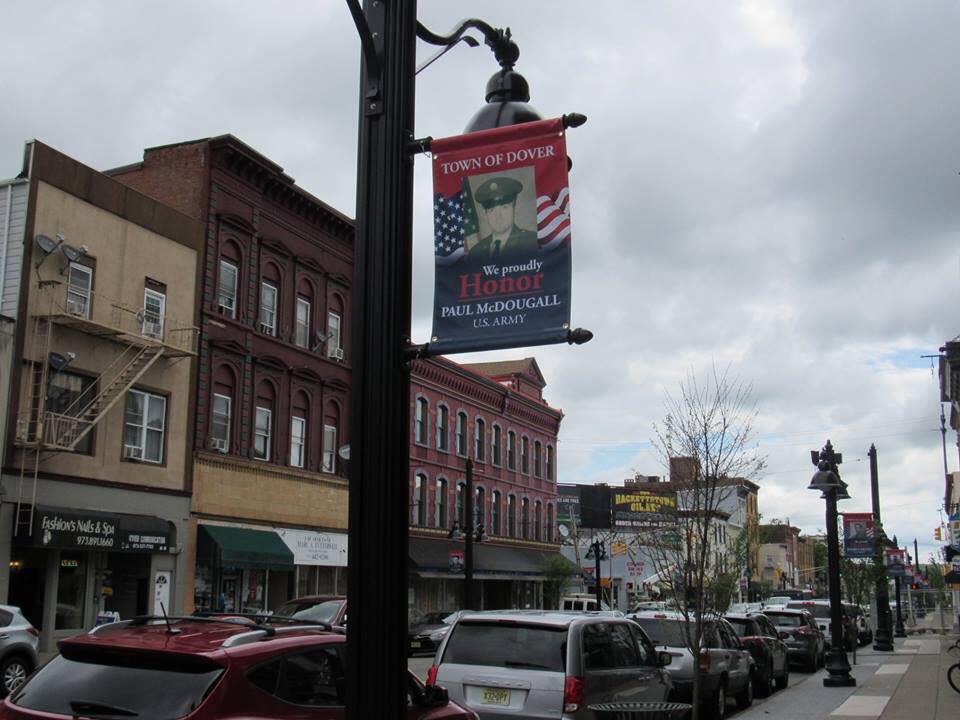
(265,328)
(336,353)
(132,451)
(218,444)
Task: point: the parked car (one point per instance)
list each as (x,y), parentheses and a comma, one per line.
(205,668)
(727,667)
(820,609)
(777,601)
(327,609)
(425,631)
(766,645)
(543,664)
(18,648)
(806,645)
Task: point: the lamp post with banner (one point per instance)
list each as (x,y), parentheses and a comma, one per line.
(827,481)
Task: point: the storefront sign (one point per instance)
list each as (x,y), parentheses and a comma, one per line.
(315,548)
(633,508)
(858,535)
(54,527)
(501,238)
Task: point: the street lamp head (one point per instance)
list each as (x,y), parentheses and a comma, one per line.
(842,493)
(824,479)
(508,103)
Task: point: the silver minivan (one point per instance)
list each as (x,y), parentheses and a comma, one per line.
(547,664)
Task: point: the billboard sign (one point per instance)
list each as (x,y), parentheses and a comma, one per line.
(501,238)
(637,508)
(858,535)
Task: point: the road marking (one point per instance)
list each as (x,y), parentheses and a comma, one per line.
(863,706)
(892,669)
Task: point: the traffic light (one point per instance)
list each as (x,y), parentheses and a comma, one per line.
(938,534)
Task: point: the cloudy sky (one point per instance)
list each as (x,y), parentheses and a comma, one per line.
(769,186)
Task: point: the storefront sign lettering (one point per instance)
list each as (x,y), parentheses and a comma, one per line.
(62,529)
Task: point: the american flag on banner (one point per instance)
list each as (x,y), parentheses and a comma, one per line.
(553,220)
(454,220)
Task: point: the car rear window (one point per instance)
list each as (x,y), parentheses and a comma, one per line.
(96,684)
(785,619)
(323,612)
(664,632)
(818,611)
(509,645)
(744,628)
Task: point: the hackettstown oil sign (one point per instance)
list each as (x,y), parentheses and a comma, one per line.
(501,238)
(634,508)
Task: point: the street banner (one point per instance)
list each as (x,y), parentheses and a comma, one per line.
(501,238)
(896,562)
(455,561)
(858,535)
(638,508)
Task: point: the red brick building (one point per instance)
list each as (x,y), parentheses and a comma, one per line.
(273,383)
(495,414)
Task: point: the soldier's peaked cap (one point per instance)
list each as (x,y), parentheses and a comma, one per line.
(498,191)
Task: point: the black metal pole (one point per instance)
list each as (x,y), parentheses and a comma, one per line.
(468,540)
(899,631)
(883,638)
(837,664)
(378,534)
(596,559)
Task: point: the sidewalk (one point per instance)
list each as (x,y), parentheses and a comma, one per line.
(907,684)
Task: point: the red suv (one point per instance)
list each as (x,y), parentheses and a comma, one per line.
(203,668)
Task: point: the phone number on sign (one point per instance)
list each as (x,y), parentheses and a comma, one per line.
(95,541)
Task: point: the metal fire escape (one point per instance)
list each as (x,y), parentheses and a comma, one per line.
(141,337)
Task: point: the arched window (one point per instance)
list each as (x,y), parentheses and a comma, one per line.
(418,505)
(511,516)
(479,511)
(549,523)
(440,504)
(335,327)
(263,422)
(495,513)
(221,408)
(420,435)
(228,279)
(299,424)
(461,433)
(549,462)
(459,505)
(443,428)
(538,521)
(525,455)
(479,440)
(511,450)
(269,298)
(537,459)
(331,425)
(496,446)
(303,333)
(525,518)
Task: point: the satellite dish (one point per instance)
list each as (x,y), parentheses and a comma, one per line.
(73,254)
(344,451)
(59,362)
(563,530)
(321,339)
(47,245)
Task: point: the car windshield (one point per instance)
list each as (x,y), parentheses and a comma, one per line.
(818,611)
(744,628)
(786,619)
(664,632)
(508,645)
(324,611)
(110,685)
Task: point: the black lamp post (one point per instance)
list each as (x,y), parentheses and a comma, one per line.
(827,480)
(899,630)
(470,533)
(380,343)
(598,552)
(883,639)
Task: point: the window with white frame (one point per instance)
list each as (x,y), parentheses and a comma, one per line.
(329,448)
(511,516)
(537,521)
(220,422)
(298,439)
(154,310)
(461,433)
(549,462)
(496,445)
(525,455)
(144,426)
(302,334)
(227,289)
(262,433)
(440,504)
(418,508)
(479,508)
(420,421)
(268,308)
(479,440)
(495,513)
(525,518)
(443,428)
(334,346)
(511,450)
(537,459)
(79,288)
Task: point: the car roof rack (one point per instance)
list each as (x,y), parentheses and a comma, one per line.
(263,625)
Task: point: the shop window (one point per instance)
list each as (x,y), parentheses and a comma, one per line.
(298,437)
(420,422)
(443,428)
(69,395)
(71,590)
(79,290)
(144,426)
(227,289)
(479,437)
(268,308)
(262,433)
(495,445)
(440,504)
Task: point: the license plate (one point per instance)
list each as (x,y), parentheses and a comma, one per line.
(495,696)
(414,643)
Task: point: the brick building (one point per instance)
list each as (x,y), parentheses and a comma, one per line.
(495,414)
(269,506)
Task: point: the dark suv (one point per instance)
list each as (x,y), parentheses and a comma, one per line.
(805,644)
(766,645)
(204,669)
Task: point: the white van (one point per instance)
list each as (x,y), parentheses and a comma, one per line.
(581,602)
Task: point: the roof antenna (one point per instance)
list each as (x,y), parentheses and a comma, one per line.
(170,629)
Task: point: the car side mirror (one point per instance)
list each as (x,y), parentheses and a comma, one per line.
(664,659)
(783,635)
(435,696)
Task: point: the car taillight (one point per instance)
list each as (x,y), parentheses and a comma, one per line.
(33,631)
(704,661)
(432,675)
(805,631)
(572,693)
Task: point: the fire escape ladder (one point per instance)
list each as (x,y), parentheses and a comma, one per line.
(29,429)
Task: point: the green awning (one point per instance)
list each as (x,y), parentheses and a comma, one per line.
(252,549)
